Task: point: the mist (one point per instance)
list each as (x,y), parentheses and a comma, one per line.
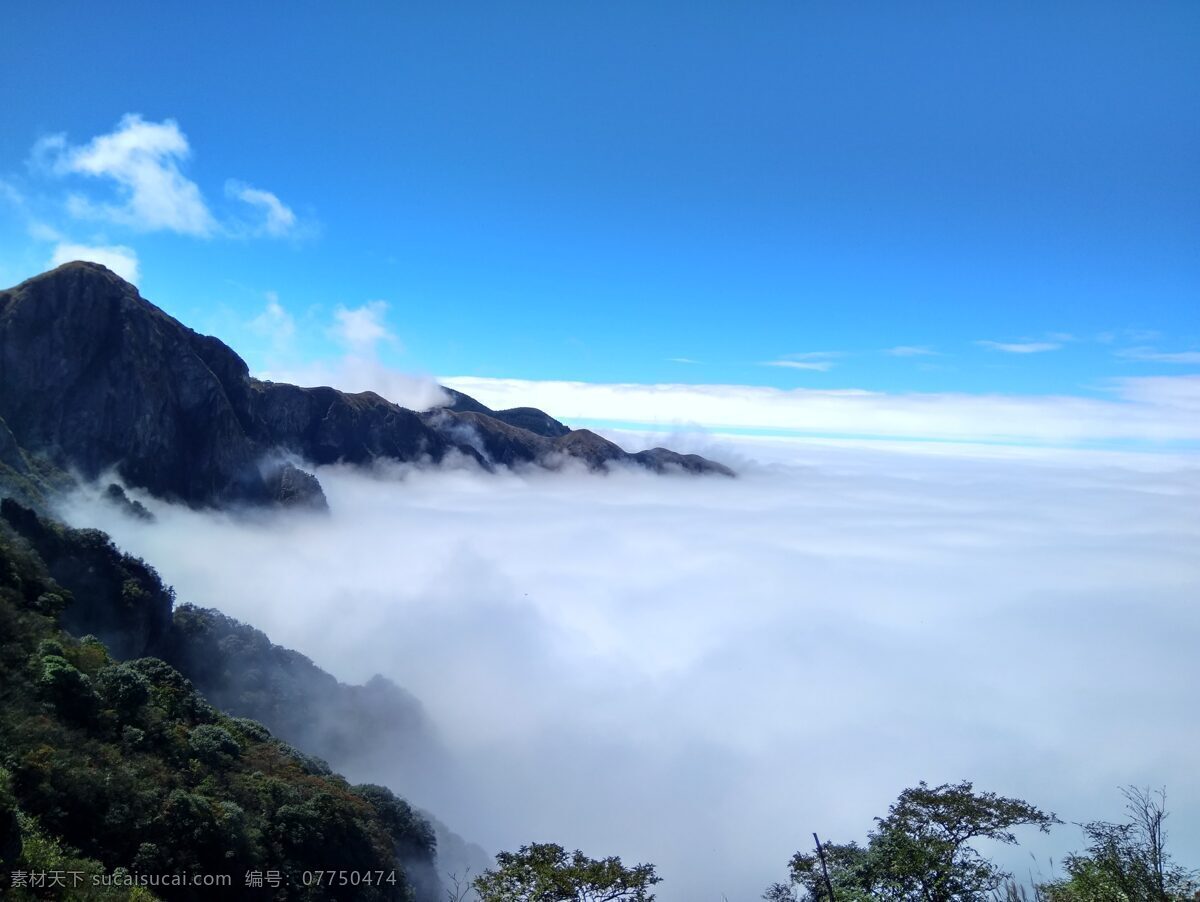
(700,672)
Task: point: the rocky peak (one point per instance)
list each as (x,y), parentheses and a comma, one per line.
(94,377)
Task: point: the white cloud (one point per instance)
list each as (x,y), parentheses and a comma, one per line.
(1151,355)
(278,219)
(10,194)
(818,361)
(359,330)
(143,159)
(120,259)
(1140,410)
(682,360)
(1021,347)
(701,672)
(40,231)
(1164,392)
(365,372)
(274,322)
(912,351)
(820,366)
(362,327)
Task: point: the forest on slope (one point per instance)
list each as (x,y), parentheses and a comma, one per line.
(111,766)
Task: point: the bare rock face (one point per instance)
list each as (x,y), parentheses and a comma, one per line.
(292,487)
(94,377)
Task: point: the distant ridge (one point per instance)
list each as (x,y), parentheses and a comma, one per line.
(93,377)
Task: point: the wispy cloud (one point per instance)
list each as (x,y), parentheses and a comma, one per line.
(360,331)
(1021,347)
(817,361)
(278,220)
(11,194)
(362,327)
(820,366)
(912,351)
(274,322)
(120,259)
(682,360)
(1150,355)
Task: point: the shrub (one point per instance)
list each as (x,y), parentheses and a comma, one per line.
(67,687)
(213,745)
(122,689)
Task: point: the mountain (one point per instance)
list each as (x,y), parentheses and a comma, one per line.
(94,377)
(140,734)
(67,583)
(112,764)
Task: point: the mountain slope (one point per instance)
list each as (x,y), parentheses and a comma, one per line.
(375,733)
(93,376)
(107,764)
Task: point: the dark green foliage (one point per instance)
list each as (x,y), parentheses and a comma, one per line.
(242,672)
(123,690)
(10,827)
(213,745)
(52,604)
(67,688)
(545,872)
(251,729)
(920,851)
(109,765)
(413,834)
(851,873)
(1128,861)
(127,606)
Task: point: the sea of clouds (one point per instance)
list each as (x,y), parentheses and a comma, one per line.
(700,672)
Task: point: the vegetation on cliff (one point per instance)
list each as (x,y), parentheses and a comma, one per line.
(110,764)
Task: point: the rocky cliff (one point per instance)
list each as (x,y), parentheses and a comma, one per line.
(94,377)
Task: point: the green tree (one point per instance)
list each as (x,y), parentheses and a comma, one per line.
(67,687)
(122,689)
(545,872)
(921,851)
(10,828)
(851,874)
(1126,862)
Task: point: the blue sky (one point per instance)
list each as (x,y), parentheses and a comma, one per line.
(598,194)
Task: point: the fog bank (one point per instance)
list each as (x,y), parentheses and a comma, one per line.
(699,672)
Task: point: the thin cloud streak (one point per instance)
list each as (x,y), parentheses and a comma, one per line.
(1150,355)
(817,361)
(820,366)
(1021,347)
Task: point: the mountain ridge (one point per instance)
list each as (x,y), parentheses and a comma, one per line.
(95,377)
